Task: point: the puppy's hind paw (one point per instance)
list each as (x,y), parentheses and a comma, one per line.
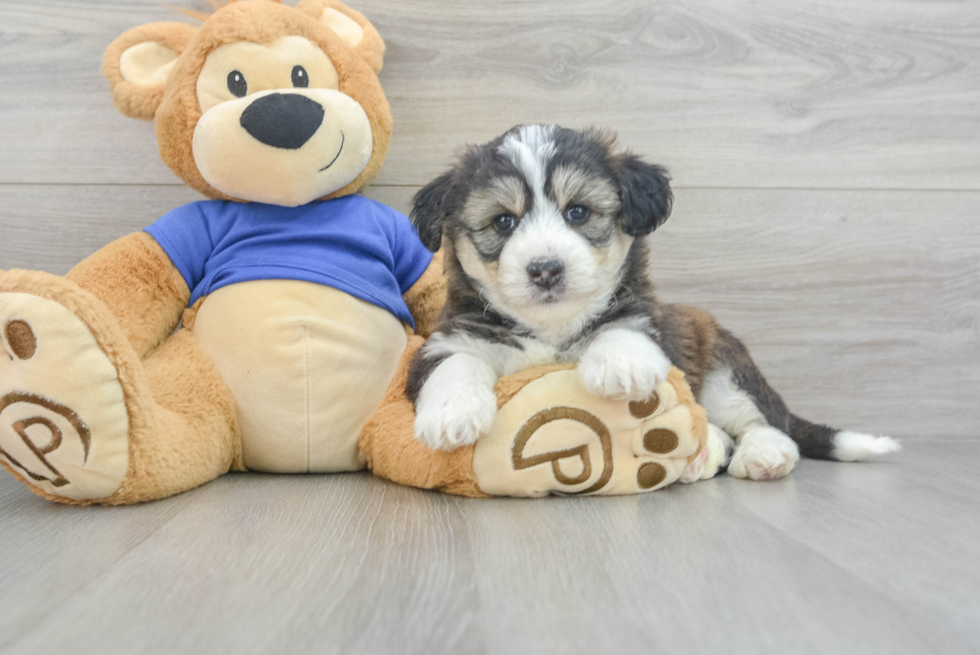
(712,457)
(764,453)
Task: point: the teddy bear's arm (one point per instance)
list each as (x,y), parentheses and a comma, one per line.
(139,284)
(425,299)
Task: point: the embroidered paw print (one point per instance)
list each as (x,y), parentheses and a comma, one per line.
(20,339)
(584,444)
(60,429)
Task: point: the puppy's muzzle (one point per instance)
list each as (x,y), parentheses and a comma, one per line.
(283,120)
(545,273)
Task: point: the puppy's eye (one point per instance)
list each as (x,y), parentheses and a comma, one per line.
(237,84)
(504,223)
(577,214)
(300,78)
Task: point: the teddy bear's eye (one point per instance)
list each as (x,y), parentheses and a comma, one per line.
(300,78)
(237,84)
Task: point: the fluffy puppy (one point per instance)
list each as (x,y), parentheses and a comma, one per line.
(544,234)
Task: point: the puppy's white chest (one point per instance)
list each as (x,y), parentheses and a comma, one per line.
(535,353)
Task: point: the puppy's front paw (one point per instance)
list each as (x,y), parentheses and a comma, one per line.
(764,453)
(623,364)
(456,404)
(451,420)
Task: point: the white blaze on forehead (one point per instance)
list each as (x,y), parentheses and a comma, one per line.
(542,232)
(530,150)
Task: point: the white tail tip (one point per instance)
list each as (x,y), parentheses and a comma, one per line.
(857,446)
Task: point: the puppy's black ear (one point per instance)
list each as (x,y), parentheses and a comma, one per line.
(646,195)
(429,210)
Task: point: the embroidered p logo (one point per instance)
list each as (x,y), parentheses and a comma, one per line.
(553,436)
(64,424)
(39,430)
(581,452)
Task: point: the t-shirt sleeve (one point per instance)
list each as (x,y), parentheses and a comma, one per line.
(183,234)
(410,257)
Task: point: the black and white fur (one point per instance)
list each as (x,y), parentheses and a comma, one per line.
(544,229)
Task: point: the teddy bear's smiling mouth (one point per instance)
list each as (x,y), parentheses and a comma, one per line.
(335,156)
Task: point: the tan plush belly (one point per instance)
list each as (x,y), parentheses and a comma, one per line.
(307,366)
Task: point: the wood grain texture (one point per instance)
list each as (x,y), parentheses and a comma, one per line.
(929,534)
(836,558)
(882,94)
(861,307)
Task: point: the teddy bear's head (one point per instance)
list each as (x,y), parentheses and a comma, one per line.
(263,102)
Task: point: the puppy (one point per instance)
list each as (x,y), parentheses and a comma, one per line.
(544,230)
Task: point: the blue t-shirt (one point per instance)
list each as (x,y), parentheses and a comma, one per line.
(353,244)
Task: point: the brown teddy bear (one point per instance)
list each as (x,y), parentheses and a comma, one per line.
(299,304)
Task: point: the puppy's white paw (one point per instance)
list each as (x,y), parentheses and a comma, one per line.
(711,458)
(764,453)
(454,420)
(623,364)
(694,469)
(456,404)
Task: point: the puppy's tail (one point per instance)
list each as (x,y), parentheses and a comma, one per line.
(824,442)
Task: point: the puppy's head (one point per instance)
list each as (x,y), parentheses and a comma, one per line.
(542,218)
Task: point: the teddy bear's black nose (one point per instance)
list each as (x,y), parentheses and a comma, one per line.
(283,120)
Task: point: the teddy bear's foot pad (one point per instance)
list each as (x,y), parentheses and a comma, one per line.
(583,444)
(63,421)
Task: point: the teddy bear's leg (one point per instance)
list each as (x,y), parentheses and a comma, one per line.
(389,445)
(195,434)
(550,436)
(83,420)
(136,281)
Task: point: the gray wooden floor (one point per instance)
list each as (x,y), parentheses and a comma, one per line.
(826,161)
(837,558)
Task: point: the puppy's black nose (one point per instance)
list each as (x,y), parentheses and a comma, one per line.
(283,120)
(545,273)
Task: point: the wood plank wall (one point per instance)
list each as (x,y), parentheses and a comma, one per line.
(825,155)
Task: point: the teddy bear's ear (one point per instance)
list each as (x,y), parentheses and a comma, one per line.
(138,62)
(351,26)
